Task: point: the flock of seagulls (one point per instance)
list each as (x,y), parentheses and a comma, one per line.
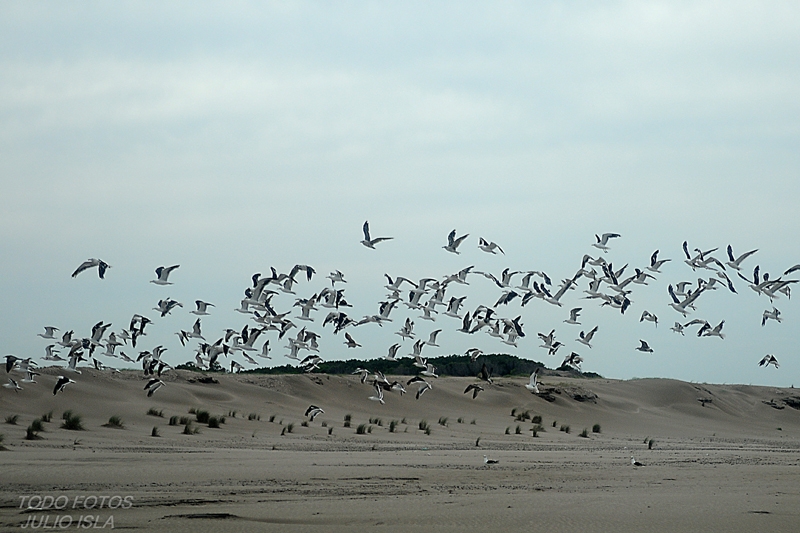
(429,300)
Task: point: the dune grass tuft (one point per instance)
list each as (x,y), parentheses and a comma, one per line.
(32,434)
(115,422)
(12,419)
(155,432)
(155,412)
(72,421)
(596,428)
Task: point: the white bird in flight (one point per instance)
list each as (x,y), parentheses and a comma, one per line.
(453,243)
(163,275)
(602,242)
(90,263)
(370,242)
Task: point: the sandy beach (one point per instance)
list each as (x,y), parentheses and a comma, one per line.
(730,462)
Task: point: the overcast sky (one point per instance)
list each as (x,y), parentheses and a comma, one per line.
(229,138)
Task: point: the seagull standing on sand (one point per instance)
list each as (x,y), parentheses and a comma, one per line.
(488,461)
(370,242)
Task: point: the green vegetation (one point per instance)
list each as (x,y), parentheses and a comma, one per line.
(115,422)
(361,429)
(72,421)
(596,428)
(47,417)
(32,434)
(392,426)
(443,421)
(12,419)
(155,412)
(448,365)
(155,432)
(585,433)
(565,428)
(254,416)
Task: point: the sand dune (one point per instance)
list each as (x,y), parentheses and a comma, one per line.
(726,463)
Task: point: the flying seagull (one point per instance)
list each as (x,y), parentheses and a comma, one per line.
(475,388)
(201,308)
(489,247)
(644,347)
(573,316)
(453,243)
(369,242)
(153,385)
(586,338)
(313,411)
(602,242)
(61,384)
(350,342)
(735,262)
(163,275)
(768,360)
(48,332)
(378,394)
(90,263)
(533,385)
